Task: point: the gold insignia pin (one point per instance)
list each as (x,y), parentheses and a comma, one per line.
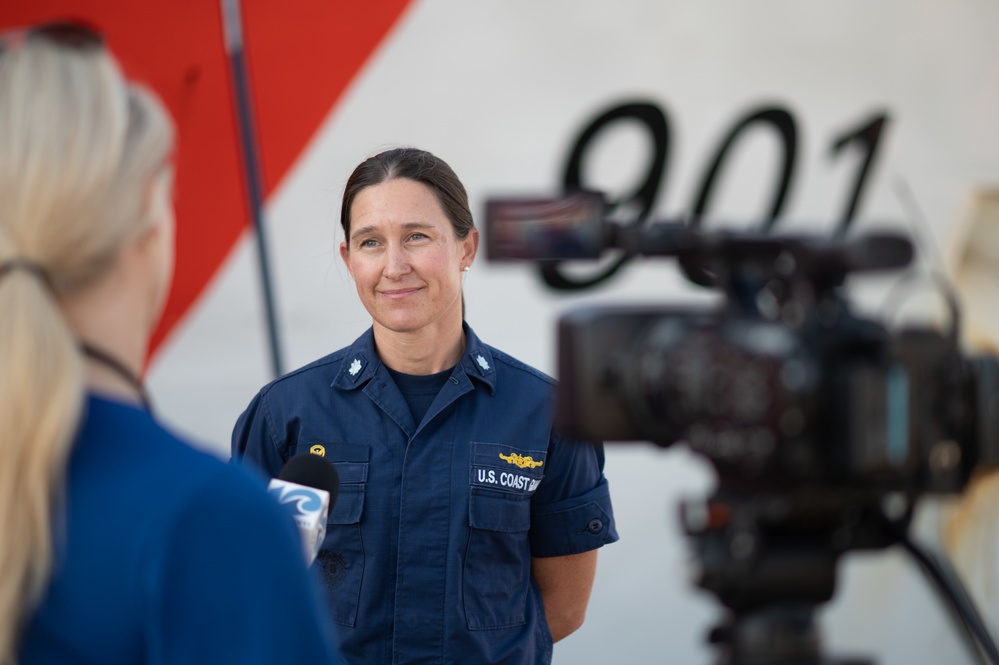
(521,461)
(318,450)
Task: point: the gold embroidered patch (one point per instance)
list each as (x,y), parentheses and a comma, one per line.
(521,461)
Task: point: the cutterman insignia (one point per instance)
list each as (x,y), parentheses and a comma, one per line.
(521,461)
(318,450)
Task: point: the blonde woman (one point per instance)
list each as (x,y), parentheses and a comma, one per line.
(120,543)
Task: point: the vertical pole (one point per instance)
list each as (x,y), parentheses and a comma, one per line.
(232,26)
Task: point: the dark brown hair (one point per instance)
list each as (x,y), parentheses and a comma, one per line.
(420,166)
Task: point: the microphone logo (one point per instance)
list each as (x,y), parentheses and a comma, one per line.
(306,499)
(309,507)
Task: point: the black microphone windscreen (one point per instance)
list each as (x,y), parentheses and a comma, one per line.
(312,471)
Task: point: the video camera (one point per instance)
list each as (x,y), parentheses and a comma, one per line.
(782,384)
(824,427)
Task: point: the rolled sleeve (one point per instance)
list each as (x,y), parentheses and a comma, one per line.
(571,512)
(574,525)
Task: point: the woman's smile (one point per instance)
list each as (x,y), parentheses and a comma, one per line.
(399,294)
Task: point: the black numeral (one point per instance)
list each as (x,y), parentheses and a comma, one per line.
(654,119)
(869,137)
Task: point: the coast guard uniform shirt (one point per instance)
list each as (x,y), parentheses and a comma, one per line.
(427,556)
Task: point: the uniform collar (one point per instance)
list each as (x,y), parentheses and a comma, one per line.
(477,361)
(360,362)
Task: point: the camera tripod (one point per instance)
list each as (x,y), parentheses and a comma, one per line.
(770,559)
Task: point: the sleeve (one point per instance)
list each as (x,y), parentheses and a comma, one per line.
(231,586)
(255,440)
(571,511)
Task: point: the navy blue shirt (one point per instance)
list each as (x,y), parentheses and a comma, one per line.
(428,550)
(419,391)
(158,554)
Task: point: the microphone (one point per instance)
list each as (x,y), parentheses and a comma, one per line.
(307,486)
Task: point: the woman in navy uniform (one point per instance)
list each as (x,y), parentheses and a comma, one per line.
(466,528)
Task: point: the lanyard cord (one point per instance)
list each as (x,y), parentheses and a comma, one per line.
(118,368)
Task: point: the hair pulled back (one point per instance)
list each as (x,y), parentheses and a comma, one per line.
(79,149)
(413,164)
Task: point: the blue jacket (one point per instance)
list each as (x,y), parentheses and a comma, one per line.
(428,550)
(158,558)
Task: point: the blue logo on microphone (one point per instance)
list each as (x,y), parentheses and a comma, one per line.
(307,500)
(298,498)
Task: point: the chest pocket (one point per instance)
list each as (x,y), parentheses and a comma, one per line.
(497,566)
(341,558)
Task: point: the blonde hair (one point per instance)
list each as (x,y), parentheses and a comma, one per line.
(79,147)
